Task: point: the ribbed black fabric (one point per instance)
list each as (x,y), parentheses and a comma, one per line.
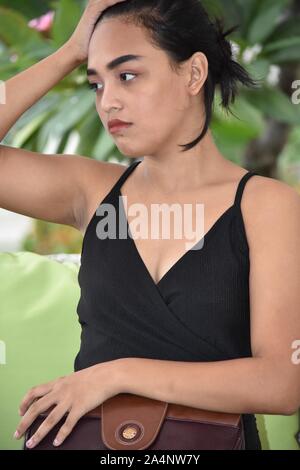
(198,311)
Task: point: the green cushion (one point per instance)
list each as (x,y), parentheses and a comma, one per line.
(38,327)
(40,336)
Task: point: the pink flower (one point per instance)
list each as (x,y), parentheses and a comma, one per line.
(43,23)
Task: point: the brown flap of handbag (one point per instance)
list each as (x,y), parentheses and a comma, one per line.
(132,422)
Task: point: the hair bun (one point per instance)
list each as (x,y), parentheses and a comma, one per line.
(221,36)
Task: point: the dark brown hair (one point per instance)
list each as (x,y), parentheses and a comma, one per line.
(181,28)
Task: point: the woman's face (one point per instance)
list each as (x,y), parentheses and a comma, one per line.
(145,92)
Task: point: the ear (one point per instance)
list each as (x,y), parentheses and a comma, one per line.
(197,71)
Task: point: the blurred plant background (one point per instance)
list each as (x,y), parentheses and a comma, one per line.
(262,134)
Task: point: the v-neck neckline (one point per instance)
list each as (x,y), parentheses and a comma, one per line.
(206,237)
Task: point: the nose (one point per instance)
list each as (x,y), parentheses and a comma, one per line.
(108,100)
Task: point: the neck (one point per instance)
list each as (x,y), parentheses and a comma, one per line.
(183,171)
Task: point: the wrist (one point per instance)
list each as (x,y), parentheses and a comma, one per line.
(73,53)
(121,374)
(69,56)
(114,373)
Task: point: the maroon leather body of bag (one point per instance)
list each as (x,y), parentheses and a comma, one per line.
(133,422)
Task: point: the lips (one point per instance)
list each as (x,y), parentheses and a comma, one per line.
(117,122)
(118,126)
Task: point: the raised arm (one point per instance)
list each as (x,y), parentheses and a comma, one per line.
(48,187)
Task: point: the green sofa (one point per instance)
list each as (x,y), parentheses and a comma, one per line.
(40,336)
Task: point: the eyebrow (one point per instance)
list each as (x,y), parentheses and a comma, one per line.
(115,63)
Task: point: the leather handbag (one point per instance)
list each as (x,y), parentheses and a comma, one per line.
(132,422)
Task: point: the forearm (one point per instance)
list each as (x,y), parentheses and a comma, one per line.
(246,385)
(24,89)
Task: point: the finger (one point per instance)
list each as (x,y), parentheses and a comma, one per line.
(33,394)
(52,419)
(67,427)
(33,411)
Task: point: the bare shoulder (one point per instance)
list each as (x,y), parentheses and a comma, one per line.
(96,180)
(269,205)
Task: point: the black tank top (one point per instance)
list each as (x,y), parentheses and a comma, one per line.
(198,311)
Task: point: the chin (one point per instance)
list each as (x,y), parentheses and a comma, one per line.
(130,153)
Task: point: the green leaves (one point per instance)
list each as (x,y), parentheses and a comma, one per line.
(274,104)
(14,31)
(73,107)
(29,8)
(67,16)
(265,20)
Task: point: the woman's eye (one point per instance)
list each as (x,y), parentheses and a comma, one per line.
(94,86)
(127,73)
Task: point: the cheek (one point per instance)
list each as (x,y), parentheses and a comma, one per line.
(177,98)
(171,100)
(167,106)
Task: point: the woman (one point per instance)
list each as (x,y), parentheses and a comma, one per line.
(194,327)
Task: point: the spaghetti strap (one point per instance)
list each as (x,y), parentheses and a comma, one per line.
(125,175)
(241,187)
